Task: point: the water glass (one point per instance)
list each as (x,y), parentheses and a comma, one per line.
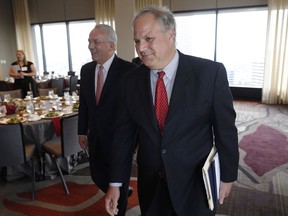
(30,107)
(3,110)
(51,94)
(29,94)
(7,97)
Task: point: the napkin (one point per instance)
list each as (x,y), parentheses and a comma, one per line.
(56,125)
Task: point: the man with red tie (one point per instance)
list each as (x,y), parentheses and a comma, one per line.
(99,96)
(180,106)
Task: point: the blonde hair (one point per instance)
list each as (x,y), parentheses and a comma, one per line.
(23,53)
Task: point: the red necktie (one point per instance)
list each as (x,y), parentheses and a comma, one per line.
(99,83)
(161,101)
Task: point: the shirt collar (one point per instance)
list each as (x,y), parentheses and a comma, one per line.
(107,64)
(171,68)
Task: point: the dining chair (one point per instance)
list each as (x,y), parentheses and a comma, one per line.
(73,81)
(45,91)
(64,145)
(4,85)
(13,93)
(13,150)
(59,84)
(46,73)
(71,73)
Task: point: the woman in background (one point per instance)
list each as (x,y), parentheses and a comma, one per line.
(23,72)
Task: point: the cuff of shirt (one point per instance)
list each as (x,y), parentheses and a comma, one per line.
(115,184)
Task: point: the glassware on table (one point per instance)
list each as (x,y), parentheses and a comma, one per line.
(51,94)
(29,94)
(3,110)
(30,107)
(66,95)
(7,97)
(56,105)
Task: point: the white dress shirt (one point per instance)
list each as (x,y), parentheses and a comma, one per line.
(169,77)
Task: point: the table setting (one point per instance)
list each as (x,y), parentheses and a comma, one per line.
(31,109)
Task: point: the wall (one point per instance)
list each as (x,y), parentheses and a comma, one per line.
(7,38)
(43,11)
(184,5)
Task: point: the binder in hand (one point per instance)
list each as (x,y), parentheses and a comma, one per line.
(211,177)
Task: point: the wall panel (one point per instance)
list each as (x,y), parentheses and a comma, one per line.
(184,5)
(43,11)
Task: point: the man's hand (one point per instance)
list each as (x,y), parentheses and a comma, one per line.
(111,200)
(83,141)
(225,189)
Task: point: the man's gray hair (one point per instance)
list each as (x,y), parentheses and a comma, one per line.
(163,16)
(111,34)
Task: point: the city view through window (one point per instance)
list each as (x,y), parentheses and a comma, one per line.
(234,37)
(238,41)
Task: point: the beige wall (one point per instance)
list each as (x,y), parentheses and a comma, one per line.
(7,37)
(42,11)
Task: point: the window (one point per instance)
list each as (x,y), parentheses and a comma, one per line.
(80,53)
(56,48)
(53,42)
(240,41)
(196,34)
(241,46)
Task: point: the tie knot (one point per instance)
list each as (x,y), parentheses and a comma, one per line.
(161,74)
(100,67)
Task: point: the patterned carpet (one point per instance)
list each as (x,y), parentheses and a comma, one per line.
(262,186)
(261,189)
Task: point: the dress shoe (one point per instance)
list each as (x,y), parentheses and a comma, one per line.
(130,191)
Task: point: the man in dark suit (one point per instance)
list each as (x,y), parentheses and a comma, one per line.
(96,118)
(200,113)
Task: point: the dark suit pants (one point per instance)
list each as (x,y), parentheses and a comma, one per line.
(161,204)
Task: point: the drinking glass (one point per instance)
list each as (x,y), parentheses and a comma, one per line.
(3,110)
(51,94)
(29,94)
(30,107)
(7,97)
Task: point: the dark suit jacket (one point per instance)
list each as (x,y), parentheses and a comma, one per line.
(200,107)
(97,121)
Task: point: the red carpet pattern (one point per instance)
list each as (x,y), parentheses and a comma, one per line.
(52,201)
(265,149)
(262,185)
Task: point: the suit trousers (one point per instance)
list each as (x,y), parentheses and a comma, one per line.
(161,204)
(100,175)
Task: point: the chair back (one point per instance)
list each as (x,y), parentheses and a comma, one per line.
(71,73)
(13,93)
(69,135)
(12,146)
(45,91)
(73,84)
(4,85)
(59,84)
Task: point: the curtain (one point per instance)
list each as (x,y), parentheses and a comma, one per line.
(105,12)
(275,87)
(140,4)
(23,28)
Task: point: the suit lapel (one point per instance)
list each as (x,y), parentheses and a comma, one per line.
(181,80)
(92,82)
(144,87)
